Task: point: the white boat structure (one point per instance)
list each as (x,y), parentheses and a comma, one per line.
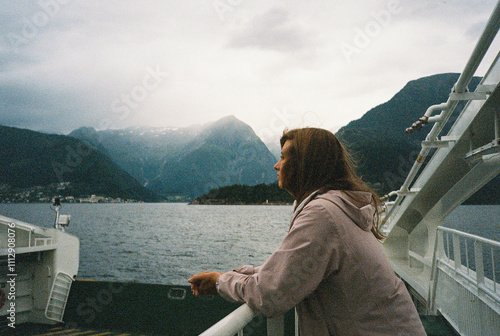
(448,272)
(38,267)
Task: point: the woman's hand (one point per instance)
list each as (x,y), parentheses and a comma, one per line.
(204,283)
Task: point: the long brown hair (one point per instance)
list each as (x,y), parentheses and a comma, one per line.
(318,160)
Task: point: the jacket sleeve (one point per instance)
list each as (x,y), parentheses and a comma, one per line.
(308,253)
(247,269)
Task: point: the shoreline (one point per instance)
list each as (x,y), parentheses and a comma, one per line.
(217,202)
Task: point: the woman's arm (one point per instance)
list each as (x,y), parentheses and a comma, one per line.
(308,252)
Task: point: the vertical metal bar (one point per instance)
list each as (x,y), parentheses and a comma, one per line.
(240,333)
(478,255)
(296,323)
(438,252)
(493,269)
(448,255)
(408,254)
(497,126)
(457,256)
(471,139)
(466,255)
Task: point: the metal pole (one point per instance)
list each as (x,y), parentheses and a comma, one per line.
(56,209)
(480,50)
(497,126)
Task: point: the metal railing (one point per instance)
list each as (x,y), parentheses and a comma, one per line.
(464,281)
(447,108)
(34,237)
(234,323)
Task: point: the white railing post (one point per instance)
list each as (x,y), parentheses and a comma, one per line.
(460,283)
(457,256)
(438,253)
(493,270)
(296,323)
(478,255)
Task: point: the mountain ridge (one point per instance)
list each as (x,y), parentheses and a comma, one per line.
(385,153)
(182,163)
(31,159)
(187,162)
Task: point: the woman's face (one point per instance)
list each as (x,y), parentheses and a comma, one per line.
(282,166)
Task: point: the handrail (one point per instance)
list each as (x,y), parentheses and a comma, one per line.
(481,283)
(480,50)
(447,109)
(470,236)
(232,323)
(19,225)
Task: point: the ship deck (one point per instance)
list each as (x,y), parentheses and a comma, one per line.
(33,329)
(434,326)
(98,308)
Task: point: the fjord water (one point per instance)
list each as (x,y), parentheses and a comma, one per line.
(165,243)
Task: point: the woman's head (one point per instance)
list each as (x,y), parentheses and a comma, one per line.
(314,159)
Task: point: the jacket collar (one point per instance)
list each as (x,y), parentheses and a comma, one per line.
(298,209)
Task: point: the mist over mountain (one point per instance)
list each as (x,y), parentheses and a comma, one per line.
(183,163)
(187,162)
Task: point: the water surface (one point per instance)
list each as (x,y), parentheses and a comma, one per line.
(165,243)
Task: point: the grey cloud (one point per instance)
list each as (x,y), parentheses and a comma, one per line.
(273,30)
(90,53)
(47,108)
(474,31)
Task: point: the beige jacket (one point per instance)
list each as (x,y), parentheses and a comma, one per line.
(331,267)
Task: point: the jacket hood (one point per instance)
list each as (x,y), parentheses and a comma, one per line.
(357,205)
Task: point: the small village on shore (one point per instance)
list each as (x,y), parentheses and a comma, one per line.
(46,194)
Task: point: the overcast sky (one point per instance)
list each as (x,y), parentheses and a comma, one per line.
(118,63)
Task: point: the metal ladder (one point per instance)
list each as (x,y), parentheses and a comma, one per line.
(58,297)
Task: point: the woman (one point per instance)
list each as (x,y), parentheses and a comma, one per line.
(331,265)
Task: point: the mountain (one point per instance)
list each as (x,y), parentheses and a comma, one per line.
(184,163)
(385,153)
(409,104)
(36,159)
(187,162)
